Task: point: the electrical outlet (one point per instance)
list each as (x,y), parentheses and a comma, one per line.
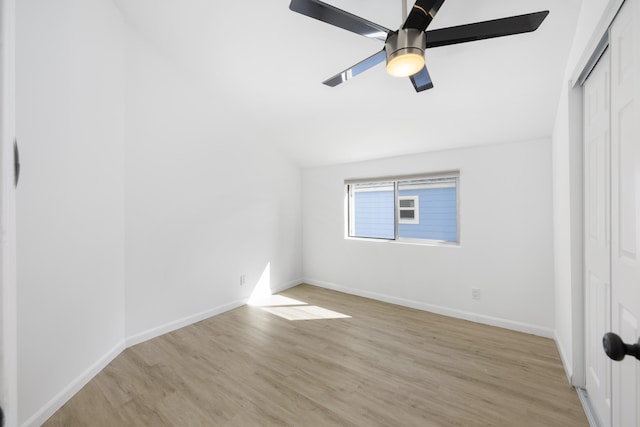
(243,279)
(475,293)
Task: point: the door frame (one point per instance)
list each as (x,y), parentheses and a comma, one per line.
(8,288)
(587,60)
(597,44)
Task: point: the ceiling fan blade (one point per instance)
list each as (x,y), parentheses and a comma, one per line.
(339,18)
(486,29)
(358,68)
(421,80)
(422,14)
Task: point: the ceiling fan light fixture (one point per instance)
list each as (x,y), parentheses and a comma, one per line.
(405,65)
(405,52)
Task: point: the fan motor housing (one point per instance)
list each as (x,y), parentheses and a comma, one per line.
(405,40)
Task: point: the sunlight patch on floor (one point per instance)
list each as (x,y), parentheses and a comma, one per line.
(285,307)
(305,312)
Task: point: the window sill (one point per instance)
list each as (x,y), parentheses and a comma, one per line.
(414,242)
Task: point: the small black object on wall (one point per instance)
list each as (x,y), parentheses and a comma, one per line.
(616,349)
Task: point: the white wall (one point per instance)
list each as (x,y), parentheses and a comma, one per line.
(207,199)
(70,203)
(595,15)
(506,238)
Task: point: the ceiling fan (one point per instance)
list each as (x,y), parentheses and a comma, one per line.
(404,48)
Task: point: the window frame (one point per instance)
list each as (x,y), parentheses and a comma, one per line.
(394,180)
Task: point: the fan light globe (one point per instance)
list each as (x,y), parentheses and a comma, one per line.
(405,52)
(405,65)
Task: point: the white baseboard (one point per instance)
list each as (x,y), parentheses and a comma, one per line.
(588,409)
(67,393)
(287,285)
(566,363)
(459,314)
(181,323)
(194,318)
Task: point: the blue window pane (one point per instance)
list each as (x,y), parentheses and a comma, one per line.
(373,214)
(438,216)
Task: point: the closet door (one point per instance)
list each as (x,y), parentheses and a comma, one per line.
(625,207)
(597,237)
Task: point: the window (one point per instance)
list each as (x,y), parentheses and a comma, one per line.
(422,208)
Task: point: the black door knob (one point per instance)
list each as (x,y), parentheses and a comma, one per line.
(616,349)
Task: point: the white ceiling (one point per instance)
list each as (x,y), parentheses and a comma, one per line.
(267,64)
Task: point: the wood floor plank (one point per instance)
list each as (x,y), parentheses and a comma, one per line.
(385,365)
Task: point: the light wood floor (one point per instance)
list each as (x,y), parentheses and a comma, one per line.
(384,366)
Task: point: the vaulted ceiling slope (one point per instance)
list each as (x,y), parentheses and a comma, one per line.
(267,64)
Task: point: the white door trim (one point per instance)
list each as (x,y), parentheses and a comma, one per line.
(577,189)
(8,309)
(600,31)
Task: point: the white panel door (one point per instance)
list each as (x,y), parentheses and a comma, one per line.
(625,204)
(597,237)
